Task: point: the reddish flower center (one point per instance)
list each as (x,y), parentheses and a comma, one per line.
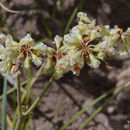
(26,49)
(57,55)
(85,49)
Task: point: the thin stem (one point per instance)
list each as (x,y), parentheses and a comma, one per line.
(12,89)
(7,9)
(54,9)
(24,94)
(40,97)
(103,106)
(28,86)
(29,91)
(75,116)
(37,75)
(19,95)
(9,122)
(18,125)
(4,104)
(62,15)
(79,7)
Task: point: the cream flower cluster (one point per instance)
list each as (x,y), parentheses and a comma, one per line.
(89,43)
(14,54)
(85,43)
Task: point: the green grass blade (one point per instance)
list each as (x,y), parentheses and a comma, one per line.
(99,109)
(29,91)
(48,30)
(54,9)
(46,39)
(12,90)
(74,117)
(71,20)
(4,104)
(55,116)
(79,7)
(8,92)
(26,123)
(62,16)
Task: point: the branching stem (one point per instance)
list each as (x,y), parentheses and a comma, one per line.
(40,97)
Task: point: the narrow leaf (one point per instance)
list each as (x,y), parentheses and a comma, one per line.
(99,109)
(71,20)
(75,116)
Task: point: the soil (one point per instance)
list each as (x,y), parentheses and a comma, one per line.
(71,93)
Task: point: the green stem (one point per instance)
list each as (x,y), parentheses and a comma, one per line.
(54,9)
(24,94)
(102,107)
(19,95)
(28,100)
(29,85)
(79,7)
(19,122)
(40,97)
(74,117)
(62,15)
(36,76)
(4,105)
(12,90)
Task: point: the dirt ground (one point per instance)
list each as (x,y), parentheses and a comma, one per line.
(72,93)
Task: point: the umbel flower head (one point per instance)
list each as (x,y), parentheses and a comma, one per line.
(86,42)
(14,54)
(89,43)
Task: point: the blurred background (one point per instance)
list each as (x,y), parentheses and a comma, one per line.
(46,18)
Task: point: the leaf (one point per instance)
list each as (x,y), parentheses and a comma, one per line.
(100,108)
(77,115)
(79,7)
(71,19)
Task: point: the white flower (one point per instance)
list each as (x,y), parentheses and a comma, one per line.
(74,38)
(83,16)
(37,60)
(2,52)
(27,39)
(2,36)
(110,51)
(82,27)
(94,62)
(123,54)
(107,27)
(27,62)
(93,34)
(101,55)
(15,55)
(103,44)
(72,61)
(58,41)
(128,31)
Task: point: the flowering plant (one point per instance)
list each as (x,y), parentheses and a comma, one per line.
(85,43)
